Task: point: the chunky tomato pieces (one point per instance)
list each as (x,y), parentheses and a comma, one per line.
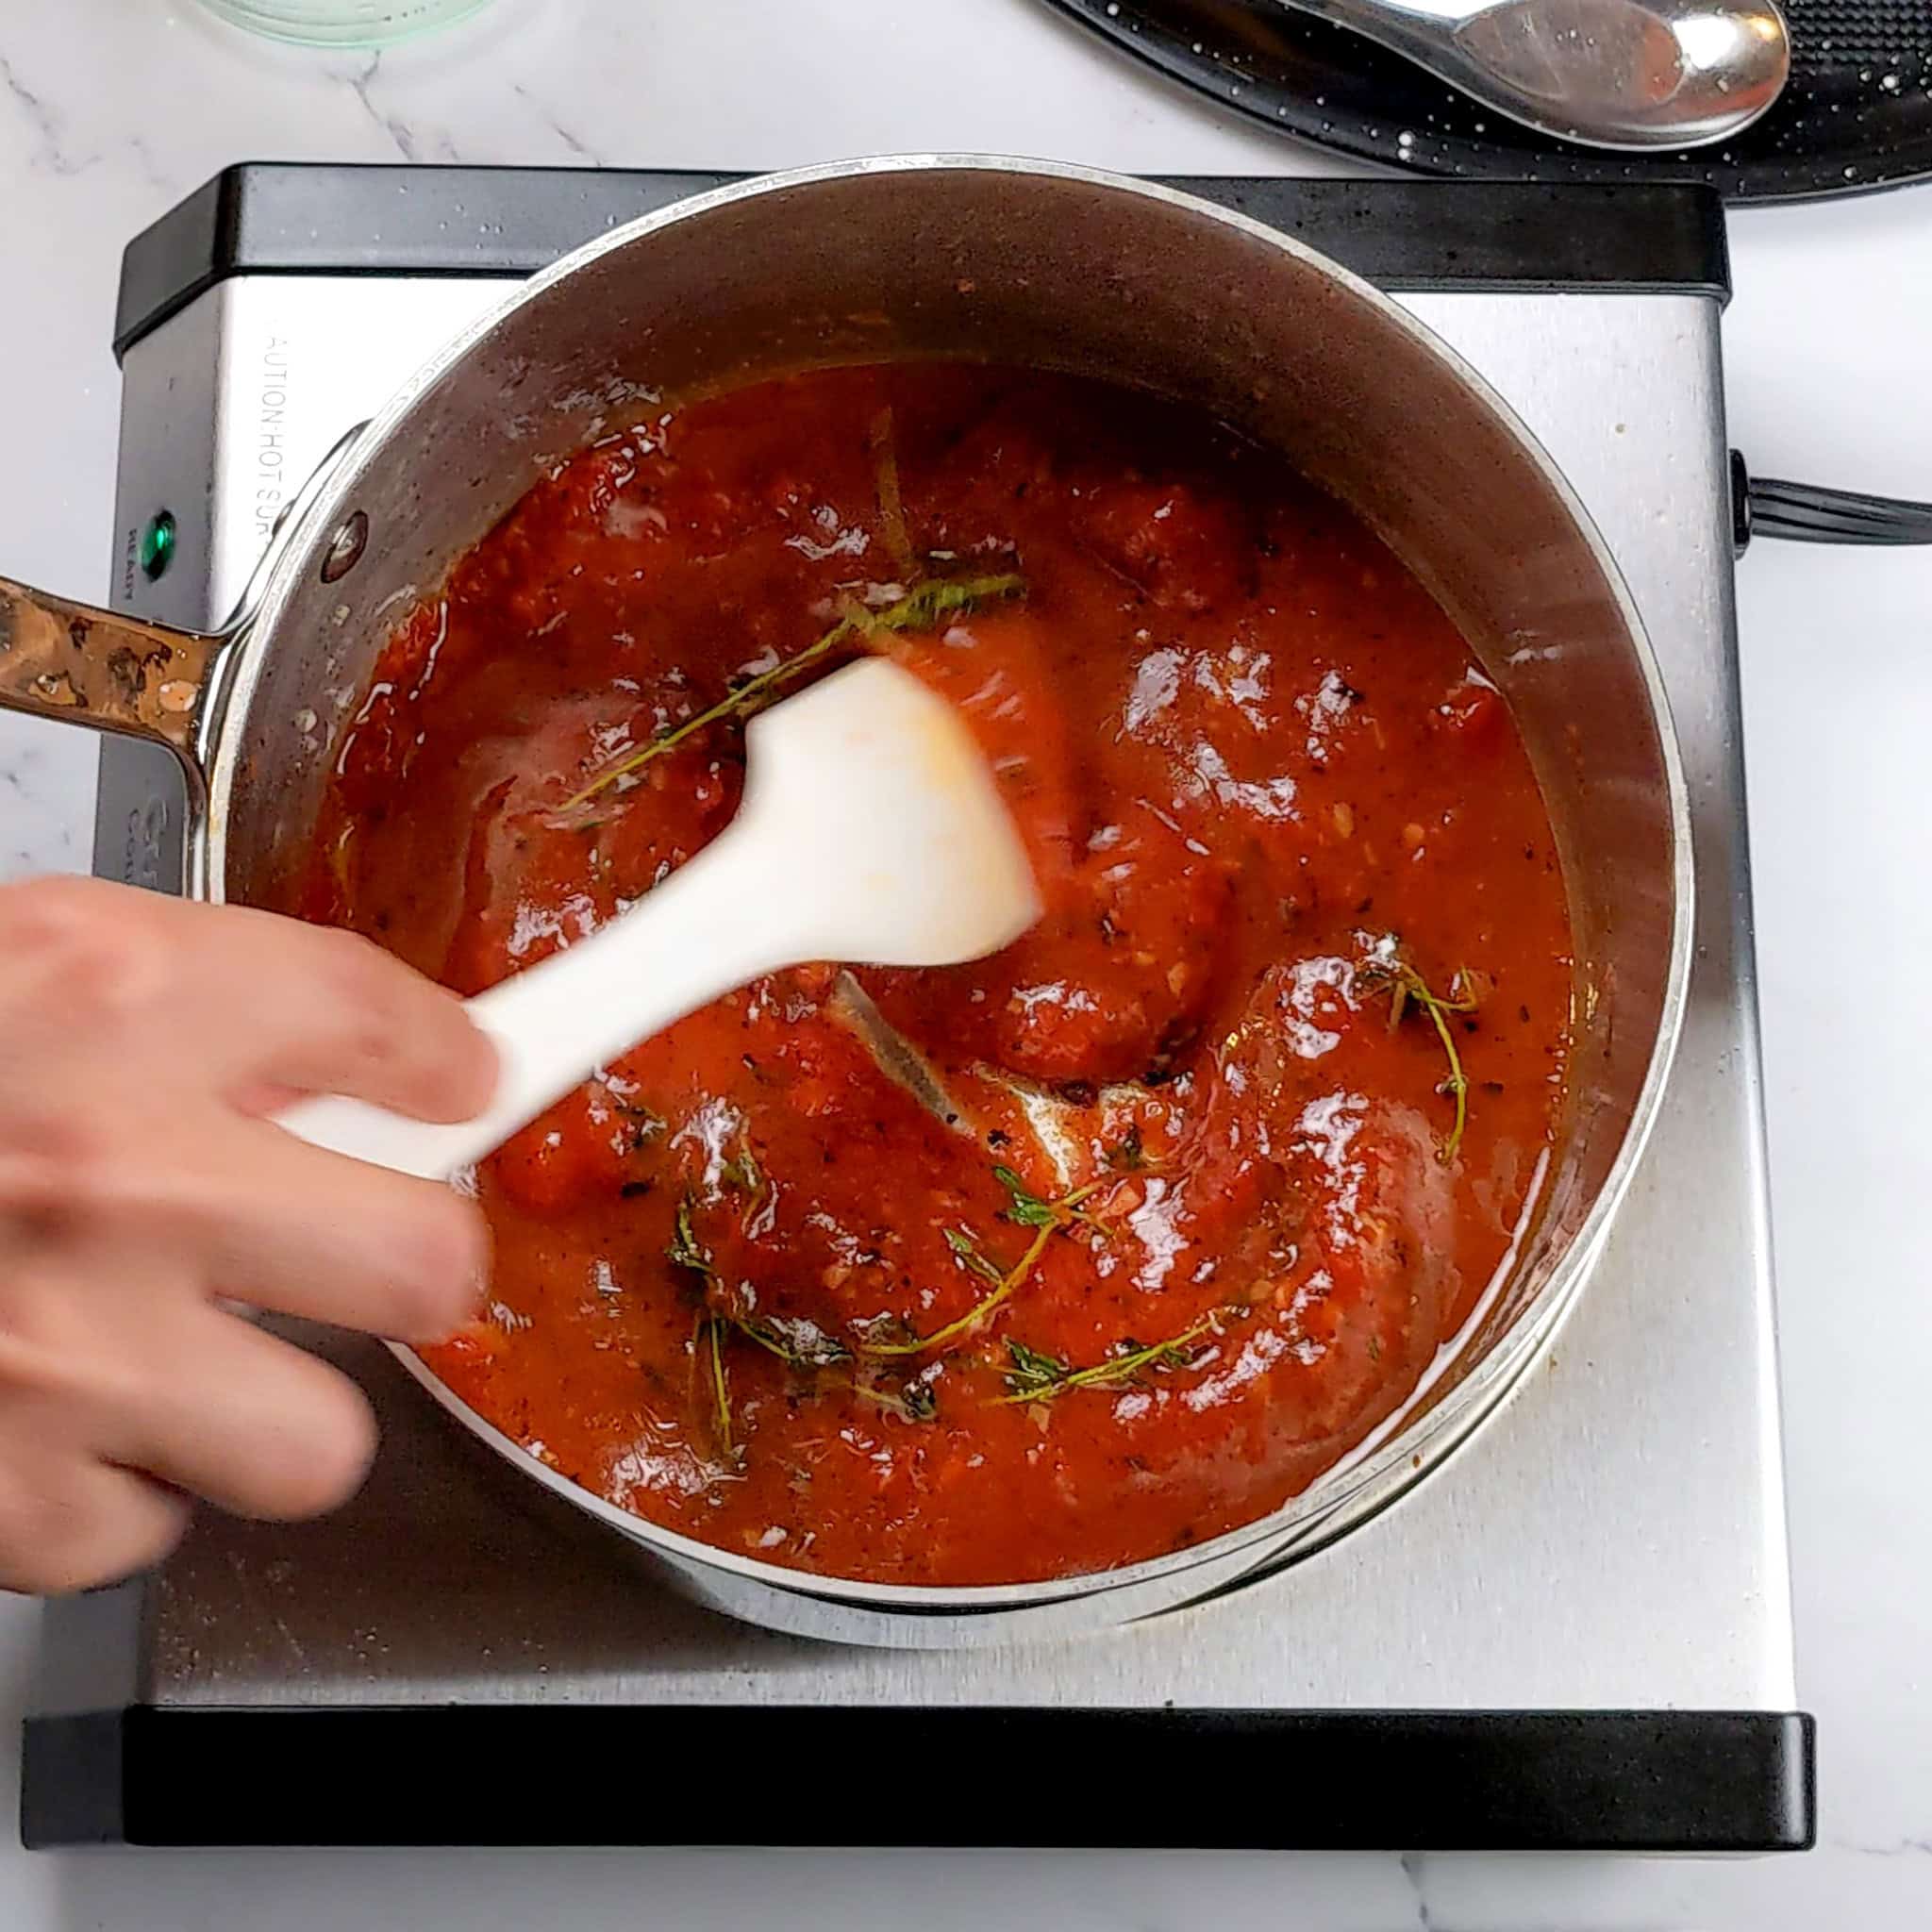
(1164,1207)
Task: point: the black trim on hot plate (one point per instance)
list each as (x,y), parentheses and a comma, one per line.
(329,219)
(1639,1781)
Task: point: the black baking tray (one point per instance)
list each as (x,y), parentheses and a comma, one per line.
(1855,115)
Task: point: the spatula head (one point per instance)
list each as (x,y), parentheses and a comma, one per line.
(889,816)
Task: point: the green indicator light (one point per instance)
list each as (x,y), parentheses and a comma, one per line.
(157,544)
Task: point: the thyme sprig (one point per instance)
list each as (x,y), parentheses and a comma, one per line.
(885,470)
(1004,1287)
(721,1385)
(743,1173)
(793,1340)
(967,1248)
(912,1402)
(1405,985)
(684,1249)
(1028,1209)
(744,1176)
(919,610)
(1035,1376)
(1033,1372)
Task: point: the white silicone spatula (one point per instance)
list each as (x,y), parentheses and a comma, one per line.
(869,831)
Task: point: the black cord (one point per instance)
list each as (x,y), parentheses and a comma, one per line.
(1804,513)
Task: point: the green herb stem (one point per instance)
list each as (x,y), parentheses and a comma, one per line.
(885,469)
(1034,1370)
(683,1250)
(771,1337)
(967,1250)
(919,610)
(721,1388)
(1405,984)
(1456,1085)
(978,1312)
(1027,1387)
(914,1403)
(1029,1210)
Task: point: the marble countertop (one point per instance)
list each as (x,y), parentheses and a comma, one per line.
(112,109)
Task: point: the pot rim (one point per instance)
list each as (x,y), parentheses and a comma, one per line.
(1362,1484)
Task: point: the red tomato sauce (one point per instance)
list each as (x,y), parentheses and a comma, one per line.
(1202,1214)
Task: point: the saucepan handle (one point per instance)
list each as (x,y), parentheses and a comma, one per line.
(66,660)
(70,662)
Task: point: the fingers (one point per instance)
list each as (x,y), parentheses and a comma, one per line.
(219,1408)
(251,1422)
(328,1013)
(242,1209)
(290,1227)
(68,1522)
(137,1190)
(243,1001)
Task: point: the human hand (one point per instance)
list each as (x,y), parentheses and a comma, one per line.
(142,1041)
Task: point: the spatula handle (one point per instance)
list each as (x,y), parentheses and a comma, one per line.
(712,926)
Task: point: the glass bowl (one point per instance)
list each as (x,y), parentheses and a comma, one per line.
(343,23)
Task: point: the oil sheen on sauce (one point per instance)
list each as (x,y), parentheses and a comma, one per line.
(1194,1211)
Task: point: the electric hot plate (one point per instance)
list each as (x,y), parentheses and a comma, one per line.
(1575,1634)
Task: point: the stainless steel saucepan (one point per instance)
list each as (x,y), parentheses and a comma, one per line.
(1064,269)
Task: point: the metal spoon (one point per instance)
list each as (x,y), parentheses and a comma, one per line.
(1616,74)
